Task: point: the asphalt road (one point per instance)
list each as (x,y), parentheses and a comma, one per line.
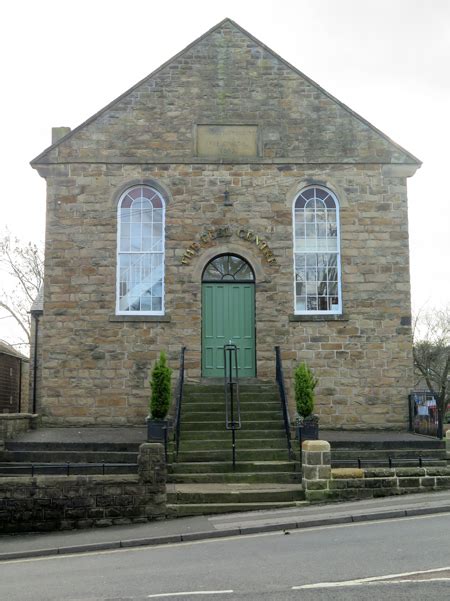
(260,567)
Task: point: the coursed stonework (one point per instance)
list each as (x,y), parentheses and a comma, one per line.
(95,370)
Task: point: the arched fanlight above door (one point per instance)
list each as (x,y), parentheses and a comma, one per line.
(231,268)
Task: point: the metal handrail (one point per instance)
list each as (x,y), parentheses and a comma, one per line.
(231,385)
(179,400)
(283,398)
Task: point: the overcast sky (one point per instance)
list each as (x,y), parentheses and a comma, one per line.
(389,60)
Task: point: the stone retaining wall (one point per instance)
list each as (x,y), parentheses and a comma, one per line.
(44,503)
(321,483)
(12,424)
(349,483)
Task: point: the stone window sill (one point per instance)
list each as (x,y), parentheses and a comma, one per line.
(312,318)
(141,318)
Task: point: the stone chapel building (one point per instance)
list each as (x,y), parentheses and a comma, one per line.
(226,196)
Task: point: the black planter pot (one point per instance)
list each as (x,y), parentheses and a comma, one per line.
(308,429)
(156,429)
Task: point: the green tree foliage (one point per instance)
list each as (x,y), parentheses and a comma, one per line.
(160,385)
(305,383)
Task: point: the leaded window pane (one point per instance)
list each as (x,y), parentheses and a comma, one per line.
(316,247)
(141,251)
(228,268)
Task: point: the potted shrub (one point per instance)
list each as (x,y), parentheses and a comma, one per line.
(159,400)
(307,421)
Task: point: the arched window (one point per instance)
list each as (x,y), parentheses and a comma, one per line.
(140,261)
(316,252)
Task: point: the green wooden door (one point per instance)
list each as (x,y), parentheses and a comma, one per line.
(228,314)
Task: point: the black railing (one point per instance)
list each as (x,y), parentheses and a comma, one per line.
(179,400)
(232,402)
(391,462)
(283,398)
(68,469)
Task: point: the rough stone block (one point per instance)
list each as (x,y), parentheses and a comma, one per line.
(346,472)
(409,482)
(316,496)
(316,485)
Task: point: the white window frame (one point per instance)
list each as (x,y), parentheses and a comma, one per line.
(119,252)
(338,308)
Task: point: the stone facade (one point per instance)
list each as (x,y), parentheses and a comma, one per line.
(95,364)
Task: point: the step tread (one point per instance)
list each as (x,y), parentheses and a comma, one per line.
(249,477)
(233,487)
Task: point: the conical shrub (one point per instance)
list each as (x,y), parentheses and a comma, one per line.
(160,385)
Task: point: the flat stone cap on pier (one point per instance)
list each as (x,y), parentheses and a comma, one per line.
(316,445)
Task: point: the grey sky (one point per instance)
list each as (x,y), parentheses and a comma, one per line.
(389,60)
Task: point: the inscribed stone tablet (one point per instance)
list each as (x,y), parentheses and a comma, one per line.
(227,141)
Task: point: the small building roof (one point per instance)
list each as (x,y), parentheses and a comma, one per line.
(7,349)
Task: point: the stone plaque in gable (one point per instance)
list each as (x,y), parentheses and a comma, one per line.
(227,141)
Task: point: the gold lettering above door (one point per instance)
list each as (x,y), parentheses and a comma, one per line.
(210,234)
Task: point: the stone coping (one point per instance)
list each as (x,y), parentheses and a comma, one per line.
(321,446)
(18,416)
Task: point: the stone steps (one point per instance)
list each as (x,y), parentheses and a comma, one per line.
(191,509)
(227,467)
(219,425)
(219,408)
(264,476)
(204,416)
(63,456)
(225,435)
(241,443)
(11,445)
(217,493)
(262,454)
(376,453)
(418,443)
(241,477)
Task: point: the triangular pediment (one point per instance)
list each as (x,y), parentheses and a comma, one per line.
(226,78)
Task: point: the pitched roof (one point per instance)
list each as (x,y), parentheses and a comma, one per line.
(41,158)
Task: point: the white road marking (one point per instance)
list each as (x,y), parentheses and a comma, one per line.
(386,579)
(187,593)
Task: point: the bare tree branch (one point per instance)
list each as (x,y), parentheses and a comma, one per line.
(24,265)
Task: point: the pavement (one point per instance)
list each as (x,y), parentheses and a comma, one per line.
(232,524)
